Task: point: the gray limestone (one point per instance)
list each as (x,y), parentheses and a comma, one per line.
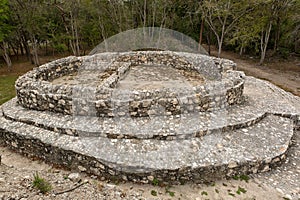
(223,124)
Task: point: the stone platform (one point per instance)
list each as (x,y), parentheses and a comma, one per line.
(250,136)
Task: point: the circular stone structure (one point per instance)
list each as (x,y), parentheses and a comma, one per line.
(145,115)
(177,83)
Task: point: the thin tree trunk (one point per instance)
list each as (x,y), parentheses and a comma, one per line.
(277,34)
(21,48)
(26,47)
(220,40)
(73,46)
(208,41)
(264,42)
(5,54)
(201,34)
(145,12)
(35,51)
(77,39)
(15,50)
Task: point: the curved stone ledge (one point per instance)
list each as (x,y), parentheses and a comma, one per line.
(253,148)
(260,100)
(169,161)
(184,126)
(35,90)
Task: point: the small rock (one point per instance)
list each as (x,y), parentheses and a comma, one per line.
(220,146)
(124,178)
(74,177)
(266,168)
(82,169)
(268,160)
(279,190)
(110,186)
(232,164)
(150,178)
(287,196)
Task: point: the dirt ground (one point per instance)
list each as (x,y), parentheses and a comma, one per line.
(284,73)
(16,171)
(16,176)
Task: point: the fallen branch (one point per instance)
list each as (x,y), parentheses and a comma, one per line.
(70,190)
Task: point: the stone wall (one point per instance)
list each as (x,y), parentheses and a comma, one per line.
(80,162)
(223,86)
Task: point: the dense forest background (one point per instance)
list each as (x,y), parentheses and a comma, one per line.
(255,27)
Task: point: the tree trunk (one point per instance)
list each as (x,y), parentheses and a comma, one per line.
(277,34)
(220,40)
(26,47)
(35,56)
(264,40)
(241,50)
(201,34)
(5,54)
(21,48)
(208,41)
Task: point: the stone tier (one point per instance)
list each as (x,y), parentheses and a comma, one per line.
(255,148)
(183,126)
(223,87)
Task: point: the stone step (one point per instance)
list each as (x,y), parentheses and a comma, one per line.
(261,97)
(159,127)
(247,150)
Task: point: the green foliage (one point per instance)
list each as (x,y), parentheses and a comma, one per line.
(155,182)
(153,193)
(172,194)
(78,26)
(41,184)
(242,177)
(60,47)
(241,190)
(204,193)
(5,27)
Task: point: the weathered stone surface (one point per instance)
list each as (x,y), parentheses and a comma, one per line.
(76,85)
(228,125)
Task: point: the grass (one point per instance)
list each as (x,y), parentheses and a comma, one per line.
(171,193)
(7,87)
(153,193)
(41,184)
(242,177)
(241,190)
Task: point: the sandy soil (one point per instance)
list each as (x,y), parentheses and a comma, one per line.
(16,176)
(283,73)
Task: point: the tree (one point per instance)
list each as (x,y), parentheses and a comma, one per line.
(271,13)
(222,15)
(5,29)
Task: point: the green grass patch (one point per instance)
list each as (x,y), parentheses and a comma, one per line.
(155,182)
(172,194)
(153,193)
(245,178)
(7,87)
(41,184)
(241,190)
